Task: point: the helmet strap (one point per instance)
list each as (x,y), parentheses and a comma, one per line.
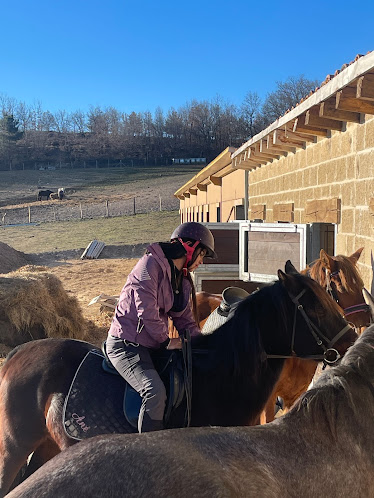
(189,250)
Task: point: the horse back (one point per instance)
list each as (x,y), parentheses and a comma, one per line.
(42,360)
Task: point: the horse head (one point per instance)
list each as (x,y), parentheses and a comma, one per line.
(339,276)
(319,328)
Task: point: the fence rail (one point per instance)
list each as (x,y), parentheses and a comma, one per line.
(64,211)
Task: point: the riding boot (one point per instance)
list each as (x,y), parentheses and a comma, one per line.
(146,424)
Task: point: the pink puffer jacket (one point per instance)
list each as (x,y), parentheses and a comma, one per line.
(141,315)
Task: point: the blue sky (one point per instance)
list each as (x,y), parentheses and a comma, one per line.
(138,55)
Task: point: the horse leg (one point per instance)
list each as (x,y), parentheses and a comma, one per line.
(267,414)
(47,450)
(12,459)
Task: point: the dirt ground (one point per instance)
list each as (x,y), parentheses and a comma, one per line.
(86,279)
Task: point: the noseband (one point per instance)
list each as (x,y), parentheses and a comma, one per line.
(330,355)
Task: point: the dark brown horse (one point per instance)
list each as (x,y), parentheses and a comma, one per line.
(323,447)
(339,276)
(231,383)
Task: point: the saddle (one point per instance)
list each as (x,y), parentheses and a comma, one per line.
(169,366)
(100,401)
(231,297)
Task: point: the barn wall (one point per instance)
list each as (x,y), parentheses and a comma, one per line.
(340,167)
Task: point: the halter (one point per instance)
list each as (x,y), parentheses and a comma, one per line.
(330,355)
(350,310)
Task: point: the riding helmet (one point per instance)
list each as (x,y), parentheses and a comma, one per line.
(192,230)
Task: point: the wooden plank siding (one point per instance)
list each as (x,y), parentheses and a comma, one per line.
(284,212)
(323,211)
(258,212)
(270,250)
(226,244)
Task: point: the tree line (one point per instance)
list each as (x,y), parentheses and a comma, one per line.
(29,134)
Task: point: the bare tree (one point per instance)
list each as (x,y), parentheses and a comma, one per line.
(288,93)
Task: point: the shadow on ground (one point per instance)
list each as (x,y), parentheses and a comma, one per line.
(109,252)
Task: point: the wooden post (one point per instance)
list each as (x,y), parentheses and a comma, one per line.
(160,202)
(80,207)
(29,214)
(134,206)
(107,208)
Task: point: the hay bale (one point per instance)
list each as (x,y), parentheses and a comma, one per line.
(34,305)
(10,259)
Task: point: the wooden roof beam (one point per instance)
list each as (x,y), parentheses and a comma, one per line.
(202,187)
(347,100)
(327,109)
(300,128)
(260,150)
(291,135)
(365,87)
(264,148)
(312,119)
(224,172)
(216,180)
(279,138)
(277,146)
(257,158)
(248,165)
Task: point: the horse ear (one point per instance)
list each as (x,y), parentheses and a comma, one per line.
(356,255)
(369,301)
(290,269)
(326,260)
(282,276)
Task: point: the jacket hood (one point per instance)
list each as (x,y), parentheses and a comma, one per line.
(159,255)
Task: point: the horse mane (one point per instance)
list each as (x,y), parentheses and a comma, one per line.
(347,386)
(237,346)
(348,273)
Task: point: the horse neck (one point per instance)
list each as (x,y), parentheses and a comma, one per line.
(235,382)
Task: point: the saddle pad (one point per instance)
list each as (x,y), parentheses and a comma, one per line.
(214,321)
(94,404)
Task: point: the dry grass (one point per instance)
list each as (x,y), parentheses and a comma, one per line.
(64,236)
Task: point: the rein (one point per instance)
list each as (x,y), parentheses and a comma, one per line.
(330,355)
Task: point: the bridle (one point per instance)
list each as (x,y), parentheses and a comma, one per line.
(350,310)
(330,355)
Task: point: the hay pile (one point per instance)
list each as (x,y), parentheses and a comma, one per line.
(10,259)
(34,305)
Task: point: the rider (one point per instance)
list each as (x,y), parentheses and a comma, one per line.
(158,287)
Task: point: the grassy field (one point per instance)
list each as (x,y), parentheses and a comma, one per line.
(64,236)
(17,187)
(89,184)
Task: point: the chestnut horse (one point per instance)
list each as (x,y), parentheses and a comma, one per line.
(339,276)
(232,380)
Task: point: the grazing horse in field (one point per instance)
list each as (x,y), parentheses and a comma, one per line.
(44,193)
(323,447)
(231,381)
(339,276)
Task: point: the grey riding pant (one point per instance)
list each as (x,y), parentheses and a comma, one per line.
(135,365)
